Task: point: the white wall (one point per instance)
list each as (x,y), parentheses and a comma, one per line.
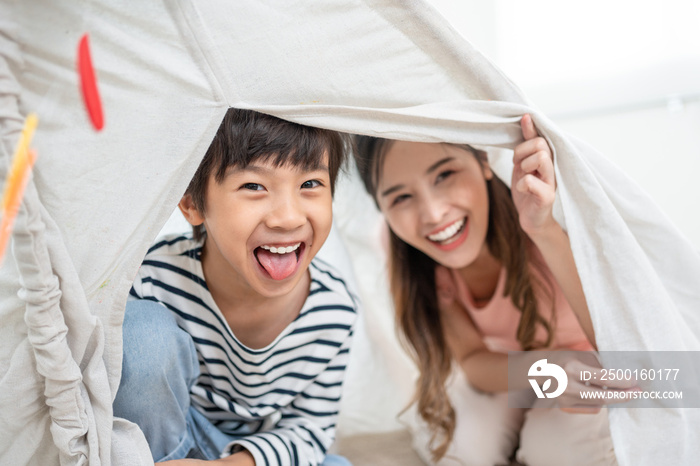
(623,76)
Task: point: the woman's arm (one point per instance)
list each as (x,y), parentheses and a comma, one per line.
(486,370)
(533,188)
(554,245)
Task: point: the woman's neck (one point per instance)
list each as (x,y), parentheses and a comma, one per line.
(481,276)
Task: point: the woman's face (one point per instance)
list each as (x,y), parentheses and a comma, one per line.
(434,197)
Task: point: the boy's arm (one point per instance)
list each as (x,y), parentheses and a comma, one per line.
(305,431)
(242,458)
(136,291)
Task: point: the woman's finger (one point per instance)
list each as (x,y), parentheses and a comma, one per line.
(528,127)
(530,184)
(527,148)
(540,165)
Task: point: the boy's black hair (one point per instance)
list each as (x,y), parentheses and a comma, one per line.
(246,136)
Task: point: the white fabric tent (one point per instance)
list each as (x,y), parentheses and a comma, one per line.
(167,73)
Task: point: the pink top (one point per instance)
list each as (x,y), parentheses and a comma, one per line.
(498,320)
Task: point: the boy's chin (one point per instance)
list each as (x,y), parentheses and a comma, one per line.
(270,288)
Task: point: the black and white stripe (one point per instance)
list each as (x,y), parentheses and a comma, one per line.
(282,399)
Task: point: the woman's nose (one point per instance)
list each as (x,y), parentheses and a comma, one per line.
(432,209)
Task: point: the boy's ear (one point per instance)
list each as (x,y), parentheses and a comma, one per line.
(189,210)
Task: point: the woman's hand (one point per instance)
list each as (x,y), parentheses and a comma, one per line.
(533,186)
(571,400)
(533,182)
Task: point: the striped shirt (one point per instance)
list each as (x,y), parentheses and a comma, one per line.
(281,401)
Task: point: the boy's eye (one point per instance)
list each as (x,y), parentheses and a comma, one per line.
(443,175)
(311,184)
(253,186)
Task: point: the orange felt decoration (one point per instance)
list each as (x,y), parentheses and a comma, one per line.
(17,178)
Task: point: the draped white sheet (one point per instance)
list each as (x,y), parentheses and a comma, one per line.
(167,73)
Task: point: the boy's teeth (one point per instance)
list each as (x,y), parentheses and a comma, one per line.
(448,232)
(282,250)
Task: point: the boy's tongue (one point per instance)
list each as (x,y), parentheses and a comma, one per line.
(279,266)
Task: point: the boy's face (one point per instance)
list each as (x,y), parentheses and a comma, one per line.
(264,225)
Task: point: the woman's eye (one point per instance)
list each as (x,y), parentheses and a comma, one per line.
(253,186)
(443,175)
(311,184)
(399,199)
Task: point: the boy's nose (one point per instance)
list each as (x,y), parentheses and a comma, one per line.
(286,214)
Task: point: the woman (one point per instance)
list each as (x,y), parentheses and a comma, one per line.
(476,271)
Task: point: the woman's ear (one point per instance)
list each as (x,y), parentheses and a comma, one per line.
(484,159)
(488,174)
(189,211)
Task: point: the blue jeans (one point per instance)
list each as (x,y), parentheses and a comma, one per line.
(159,367)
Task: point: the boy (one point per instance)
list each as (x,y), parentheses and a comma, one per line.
(236,340)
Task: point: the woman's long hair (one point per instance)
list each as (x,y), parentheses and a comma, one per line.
(412,275)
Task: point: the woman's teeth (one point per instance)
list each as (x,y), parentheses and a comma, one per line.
(282,250)
(448,232)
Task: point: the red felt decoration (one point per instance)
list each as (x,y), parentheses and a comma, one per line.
(88,84)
